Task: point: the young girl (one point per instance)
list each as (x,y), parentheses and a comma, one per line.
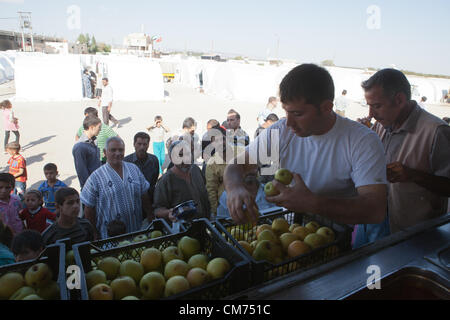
(35,216)
(9,121)
(157,131)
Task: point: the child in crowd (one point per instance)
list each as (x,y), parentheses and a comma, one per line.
(27,245)
(9,121)
(35,216)
(68,225)
(157,131)
(49,187)
(18,168)
(116,228)
(10,204)
(6,235)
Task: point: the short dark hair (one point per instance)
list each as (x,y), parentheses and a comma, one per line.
(90,111)
(116,227)
(35,192)
(158,118)
(6,234)
(271,99)
(189,123)
(90,121)
(238,116)
(5,103)
(391,81)
(310,82)
(213,123)
(344,92)
(50,167)
(8,177)
(272,117)
(105,78)
(424,99)
(141,135)
(62,193)
(27,239)
(13,145)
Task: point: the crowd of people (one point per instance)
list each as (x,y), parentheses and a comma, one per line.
(381,179)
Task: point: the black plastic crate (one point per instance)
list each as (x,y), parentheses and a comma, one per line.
(54,256)
(212,244)
(264,270)
(113,242)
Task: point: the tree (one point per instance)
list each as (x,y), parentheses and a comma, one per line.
(93,46)
(81,39)
(327,63)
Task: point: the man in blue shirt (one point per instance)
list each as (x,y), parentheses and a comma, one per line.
(85,152)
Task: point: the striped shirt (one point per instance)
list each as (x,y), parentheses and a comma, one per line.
(105,133)
(114,197)
(49,194)
(81,231)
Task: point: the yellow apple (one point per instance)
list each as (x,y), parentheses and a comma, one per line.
(286,239)
(38,275)
(176,285)
(152,285)
(198,261)
(101,291)
(176,267)
(270,190)
(197,277)
(218,267)
(151,259)
(10,283)
(315,240)
(110,266)
(327,233)
(123,286)
(301,232)
(313,226)
(297,248)
(132,269)
(280,226)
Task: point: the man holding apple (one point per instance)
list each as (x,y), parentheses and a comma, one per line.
(338,165)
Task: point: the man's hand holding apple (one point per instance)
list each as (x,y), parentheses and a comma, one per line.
(236,198)
(297,198)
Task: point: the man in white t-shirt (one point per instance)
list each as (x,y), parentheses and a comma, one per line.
(105,102)
(339,165)
(341,103)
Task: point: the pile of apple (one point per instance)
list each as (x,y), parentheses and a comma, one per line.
(36,284)
(160,272)
(280,240)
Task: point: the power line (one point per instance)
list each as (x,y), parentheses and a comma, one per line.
(10,18)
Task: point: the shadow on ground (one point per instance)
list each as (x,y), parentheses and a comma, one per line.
(125,121)
(36,142)
(36,158)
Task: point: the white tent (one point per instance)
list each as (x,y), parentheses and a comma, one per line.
(41,77)
(6,67)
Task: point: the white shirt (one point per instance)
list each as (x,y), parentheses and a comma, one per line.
(107,96)
(341,103)
(334,164)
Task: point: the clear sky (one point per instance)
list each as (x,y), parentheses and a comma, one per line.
(412,35)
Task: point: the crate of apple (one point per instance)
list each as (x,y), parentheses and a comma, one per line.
(39,279)
(285,241)
(195,264)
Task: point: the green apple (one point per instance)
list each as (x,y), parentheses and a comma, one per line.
(286,239)
(284,176)
(218,267)
(267,235)
(265,250)
(151,259)
(70,258)
(315,240)
(293,226)
(301,232)
(110,266)
(197,277)
(95,277)
(176,267)
(101,291)
(132,269)
(32,297)
(156,234)
(313,226)
(124,243)
(198,261)
(140,238)
(22,293)
(327,233)
(38,275)
(152,285)
(176,285)
(189,246)
(10,283)
(50,291)
(280,226)
(123,286)
(171,253)
(270,190)
(130,298)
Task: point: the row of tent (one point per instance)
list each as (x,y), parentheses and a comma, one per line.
(42,77)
